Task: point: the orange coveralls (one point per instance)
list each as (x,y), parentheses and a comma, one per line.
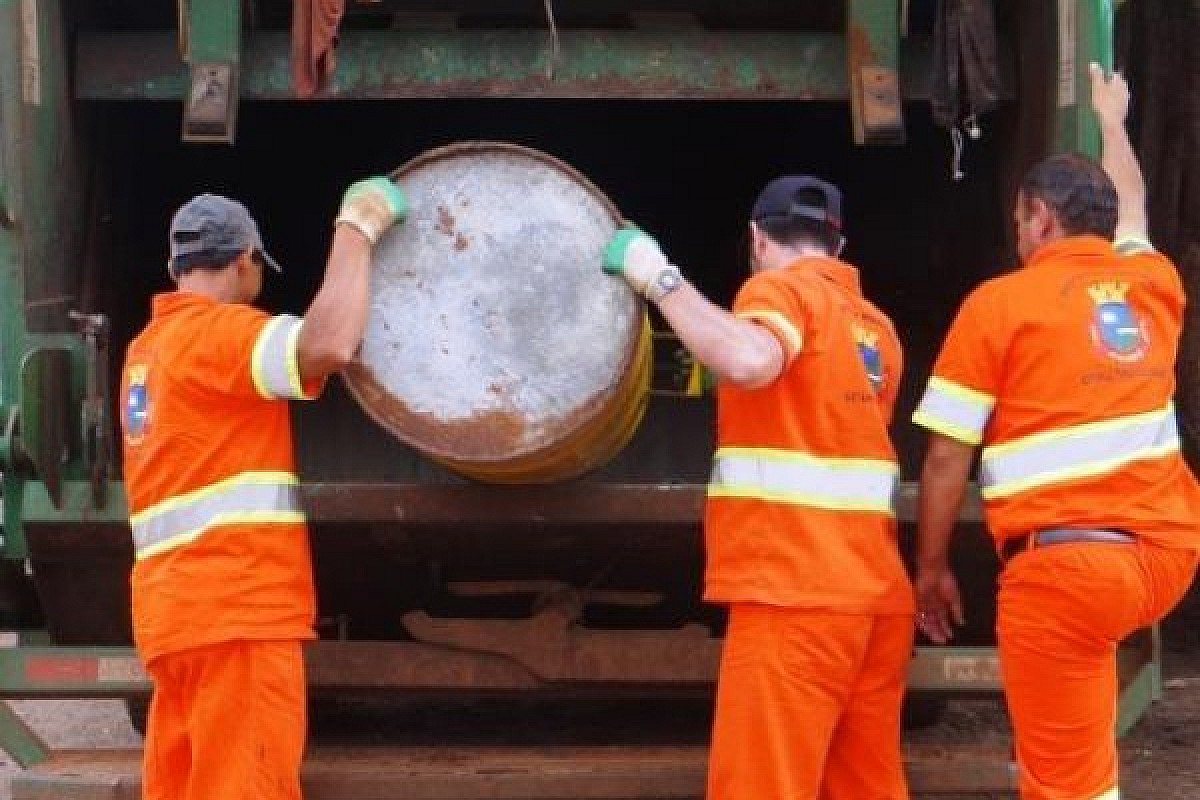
(1065,372)
(222,585)
(801,544)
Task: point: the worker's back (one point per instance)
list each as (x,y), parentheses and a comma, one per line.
(213,496)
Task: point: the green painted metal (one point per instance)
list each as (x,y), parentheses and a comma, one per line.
(1137,696)
(511,63)
(873,60)
(1085,37)
(214,31)
(41,237)
(19,741)
(12,329)
(76,506)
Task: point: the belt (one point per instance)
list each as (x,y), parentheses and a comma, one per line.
(1049,536)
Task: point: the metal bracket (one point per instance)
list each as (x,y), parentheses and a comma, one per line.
(210,37)
(873,60)
(93,415)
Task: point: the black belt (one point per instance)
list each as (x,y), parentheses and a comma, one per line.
(1049,536)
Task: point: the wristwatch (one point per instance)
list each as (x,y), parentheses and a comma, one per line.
(666,281)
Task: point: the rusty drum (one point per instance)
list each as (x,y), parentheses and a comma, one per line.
(495,345)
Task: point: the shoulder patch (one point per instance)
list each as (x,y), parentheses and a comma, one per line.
(136,409)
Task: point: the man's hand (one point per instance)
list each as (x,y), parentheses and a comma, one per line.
(1110,95)
(636,257)
(938,603)
(372,206)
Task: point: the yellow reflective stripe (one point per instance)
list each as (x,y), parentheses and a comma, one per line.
(1079,451)
(258,357)
(226,518)
(954,410)
(973,396)
(825,502)
(965,435)
(293,362)
(274,361)
(1085,429)
(796,478)
(1132,244)
(832,462)
(1112,794)
(241,479)
(778,322)
(1082,471)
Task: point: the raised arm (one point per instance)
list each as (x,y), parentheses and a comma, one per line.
(1110,99)
(738,351)
(334,323)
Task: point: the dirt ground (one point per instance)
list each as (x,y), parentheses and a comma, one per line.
(1160,759)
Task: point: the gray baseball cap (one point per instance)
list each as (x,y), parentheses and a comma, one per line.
(210,223)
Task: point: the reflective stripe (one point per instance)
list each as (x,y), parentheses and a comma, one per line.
(954,410)
(1078,452)
(274,367)
(794,338)
(252,497)
(783,476)
(1112,794)
(1132,245)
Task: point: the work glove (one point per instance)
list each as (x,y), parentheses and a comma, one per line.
(1110,95)
(372,206)
(637,258)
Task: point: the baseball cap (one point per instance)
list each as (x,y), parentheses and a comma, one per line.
(210,223)
(800,196)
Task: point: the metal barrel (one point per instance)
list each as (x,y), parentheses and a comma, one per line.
(495,345)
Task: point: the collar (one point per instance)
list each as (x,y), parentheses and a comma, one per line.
(837,272)
(169,302)
(1070,250)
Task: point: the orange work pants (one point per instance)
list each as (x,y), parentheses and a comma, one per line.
(1062,611)
(227,722)
(808,706)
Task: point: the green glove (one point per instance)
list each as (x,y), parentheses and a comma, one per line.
(637,258)
(372,206)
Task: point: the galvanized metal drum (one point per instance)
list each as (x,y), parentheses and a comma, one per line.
(495,344)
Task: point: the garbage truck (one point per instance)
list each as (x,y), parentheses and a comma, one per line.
(432,584)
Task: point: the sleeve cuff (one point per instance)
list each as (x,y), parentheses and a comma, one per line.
(275,365)
(1132,245)
(788,334)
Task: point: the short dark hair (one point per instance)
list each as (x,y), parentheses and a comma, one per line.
(1078,191)
(792,231)
(211,260)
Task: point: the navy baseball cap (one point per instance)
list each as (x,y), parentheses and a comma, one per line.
(212,224)
(800,196)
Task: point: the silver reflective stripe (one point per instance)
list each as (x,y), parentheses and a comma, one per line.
(1112,794)
(245,499)
(782,476)
(274,366)
(954,410)
(1078,452)
(1133,245)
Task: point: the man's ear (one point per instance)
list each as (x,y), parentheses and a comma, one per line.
(1041,215)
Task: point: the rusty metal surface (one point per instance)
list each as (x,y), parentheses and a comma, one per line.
(493,335)
(554,647)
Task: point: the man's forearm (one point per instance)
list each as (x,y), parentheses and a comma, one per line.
(736,350)
(1121,164)
(943,483)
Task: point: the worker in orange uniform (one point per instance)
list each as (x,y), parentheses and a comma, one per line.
(800,524)
(1064,371)
(222,583)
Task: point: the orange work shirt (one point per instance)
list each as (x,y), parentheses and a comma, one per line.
(221,545)
(801,503)
(1065,372)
